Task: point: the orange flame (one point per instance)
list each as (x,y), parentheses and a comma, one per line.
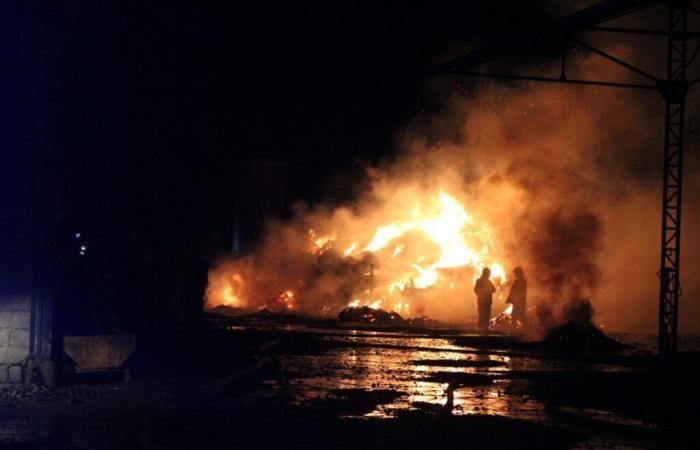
(452,229)
(426,247)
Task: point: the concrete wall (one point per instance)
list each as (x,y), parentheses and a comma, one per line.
(16,264)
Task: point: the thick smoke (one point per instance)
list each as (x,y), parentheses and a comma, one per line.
(567,179)
(564,254)
(557,171)
(564,260)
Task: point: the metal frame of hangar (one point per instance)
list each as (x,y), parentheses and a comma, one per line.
(673,89)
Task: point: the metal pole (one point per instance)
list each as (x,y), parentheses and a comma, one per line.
(673,89)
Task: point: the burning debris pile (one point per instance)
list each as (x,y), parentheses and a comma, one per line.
(360,260)
(365,314)
(489,183)
(579,334)
(579,338)
(504,321)
(376,316)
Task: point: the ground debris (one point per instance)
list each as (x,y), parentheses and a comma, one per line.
(365,314)
(21,394)
(579,338)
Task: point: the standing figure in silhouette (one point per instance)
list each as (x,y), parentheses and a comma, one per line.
(484,290)
(518,297)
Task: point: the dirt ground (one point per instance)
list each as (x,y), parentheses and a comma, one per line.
(282,385)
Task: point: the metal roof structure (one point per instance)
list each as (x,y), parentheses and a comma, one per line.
(673,88)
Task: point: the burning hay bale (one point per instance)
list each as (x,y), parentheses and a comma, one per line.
(375,316)
(415,259)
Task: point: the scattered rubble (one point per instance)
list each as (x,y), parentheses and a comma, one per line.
(365,314)
(21,394)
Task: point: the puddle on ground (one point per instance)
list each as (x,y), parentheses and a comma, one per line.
(420,369)
(319,376)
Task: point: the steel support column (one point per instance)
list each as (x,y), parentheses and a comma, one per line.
(673,89)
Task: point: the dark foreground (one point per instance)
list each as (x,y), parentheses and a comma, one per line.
(272,386)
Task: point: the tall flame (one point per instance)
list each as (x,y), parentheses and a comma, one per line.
(452,230)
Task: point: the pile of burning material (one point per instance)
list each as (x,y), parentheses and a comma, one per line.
(579,338)
(504,322)
(407,248)
(579,334)
(366,314)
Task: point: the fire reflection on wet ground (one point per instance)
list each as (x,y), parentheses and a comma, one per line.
(418,369)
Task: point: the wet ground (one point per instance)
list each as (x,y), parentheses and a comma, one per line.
(271,385)
(419,369)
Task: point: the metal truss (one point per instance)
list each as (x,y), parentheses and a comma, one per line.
(673,88)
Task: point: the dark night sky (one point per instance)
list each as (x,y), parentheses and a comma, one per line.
(138,110)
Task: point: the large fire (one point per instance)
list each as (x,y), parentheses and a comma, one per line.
(433,245)
(489,181)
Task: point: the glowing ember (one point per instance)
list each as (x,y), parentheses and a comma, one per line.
(320,243)
(287,298)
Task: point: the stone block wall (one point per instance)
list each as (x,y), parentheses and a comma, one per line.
(16,265)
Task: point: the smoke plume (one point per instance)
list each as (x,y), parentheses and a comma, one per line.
(563,181)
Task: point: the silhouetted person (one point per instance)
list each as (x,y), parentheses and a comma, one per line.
(484,290)
(518,296)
